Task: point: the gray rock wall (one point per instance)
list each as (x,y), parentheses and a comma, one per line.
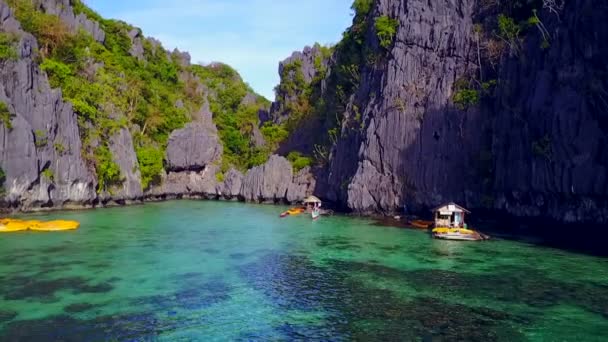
(268,182)
(272,182)
(306,58)
(123,152)
(44,136)
(64,10)
(41,153)
(192,147)
(551,125)
(397,157)
(536,149)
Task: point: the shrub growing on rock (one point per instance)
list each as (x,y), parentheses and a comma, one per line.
(5,116)
(7,46)
(298,161)
(108,172)
(386,28)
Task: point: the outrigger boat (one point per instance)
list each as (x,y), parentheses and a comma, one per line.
(458,234)
(450,225)
(313,205)
(421,224)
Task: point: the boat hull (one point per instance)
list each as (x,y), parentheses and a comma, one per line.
(458,237)
(459,234)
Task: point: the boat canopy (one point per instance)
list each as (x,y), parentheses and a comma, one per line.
(312,199)
(448,209)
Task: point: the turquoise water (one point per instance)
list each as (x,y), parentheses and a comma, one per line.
(204,270)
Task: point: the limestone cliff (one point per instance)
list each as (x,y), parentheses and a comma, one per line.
(495,105)
(41,147)
(492,105)
(109,149)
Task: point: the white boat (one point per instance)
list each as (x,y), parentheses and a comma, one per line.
(315,214)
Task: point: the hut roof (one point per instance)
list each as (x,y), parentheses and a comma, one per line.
(452,207)
(312,199)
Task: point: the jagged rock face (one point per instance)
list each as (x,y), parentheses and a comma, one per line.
(192,148)
(547,125)
(306,60)
(137,44)
(257,138)
(302,186)
(249,99)
(44,136)
(183,57)
(121,147)
(231,187)
(551,125)
(188,183)
(196,145)
(41,153)
(397,153)
(268,182)
(63,9)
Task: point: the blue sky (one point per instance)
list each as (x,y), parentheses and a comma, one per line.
(250,35)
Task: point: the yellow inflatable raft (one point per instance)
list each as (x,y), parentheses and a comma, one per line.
(12,225)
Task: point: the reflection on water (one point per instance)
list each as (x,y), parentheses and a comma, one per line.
(229,271)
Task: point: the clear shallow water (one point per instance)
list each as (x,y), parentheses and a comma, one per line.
(204,270)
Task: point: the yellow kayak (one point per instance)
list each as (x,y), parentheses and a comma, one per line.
(12,225)
(292,211)
(55,226)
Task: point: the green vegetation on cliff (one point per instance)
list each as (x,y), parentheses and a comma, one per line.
(5,116)
(386,28)
(500,32)
(7,46)
(112,88)
(320,105)
(362,7)
(298,161)
(108,88)
(2,179)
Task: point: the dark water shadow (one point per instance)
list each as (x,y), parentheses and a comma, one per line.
(40,289)
(357,311)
